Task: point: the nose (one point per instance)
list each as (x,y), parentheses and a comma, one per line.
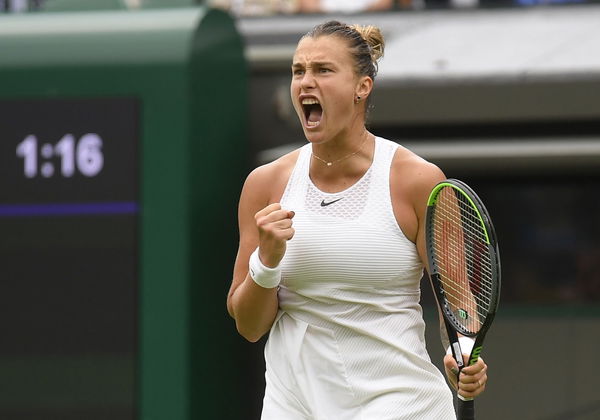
(308,80)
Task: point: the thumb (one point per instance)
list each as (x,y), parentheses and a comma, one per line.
(450,365)
(451,368)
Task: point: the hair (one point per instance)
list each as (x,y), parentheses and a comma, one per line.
(366,43)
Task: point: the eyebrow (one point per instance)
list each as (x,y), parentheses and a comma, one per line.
(315,64)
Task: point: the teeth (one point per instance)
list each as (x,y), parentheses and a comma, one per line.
(310,101)
(313,123)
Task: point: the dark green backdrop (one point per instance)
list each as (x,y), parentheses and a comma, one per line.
(186,71)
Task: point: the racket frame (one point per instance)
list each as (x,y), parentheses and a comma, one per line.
(453,326)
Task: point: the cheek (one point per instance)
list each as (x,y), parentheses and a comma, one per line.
(343,102)
(294,92)
(294,86)
(343,92)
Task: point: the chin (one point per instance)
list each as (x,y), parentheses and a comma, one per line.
(314,137)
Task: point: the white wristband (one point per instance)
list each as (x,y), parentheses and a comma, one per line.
(466,345)
(262,275)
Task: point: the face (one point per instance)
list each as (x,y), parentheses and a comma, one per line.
(324,87)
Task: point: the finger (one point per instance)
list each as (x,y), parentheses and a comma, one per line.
(283,229)
(283,223)
(472,382)
(288,233)
(474,369)
(450,364)
(269,209)
(272,217)
(272,208)
(471,390)
(471,385)
(478,379)
(275,229)
(451,368)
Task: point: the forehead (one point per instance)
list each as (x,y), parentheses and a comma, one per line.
(324,48)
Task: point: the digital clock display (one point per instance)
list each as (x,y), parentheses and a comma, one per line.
(68,257)
(85,156)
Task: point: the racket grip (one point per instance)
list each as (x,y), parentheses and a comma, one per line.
(465,410)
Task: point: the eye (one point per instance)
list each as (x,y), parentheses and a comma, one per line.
(324,70)
(297,72)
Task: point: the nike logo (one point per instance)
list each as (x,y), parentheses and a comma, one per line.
(323,203)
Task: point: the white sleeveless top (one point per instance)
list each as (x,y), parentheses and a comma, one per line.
(350,328)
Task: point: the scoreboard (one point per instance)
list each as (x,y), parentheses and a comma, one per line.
(115,151)
(57,153)
(68,221)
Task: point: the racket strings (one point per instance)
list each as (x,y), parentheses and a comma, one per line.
(466,303)
(486,269)
(464,262)
(485,286)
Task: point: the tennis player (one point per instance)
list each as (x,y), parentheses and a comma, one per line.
(331,254)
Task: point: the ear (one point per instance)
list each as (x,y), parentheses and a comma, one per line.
(363,87)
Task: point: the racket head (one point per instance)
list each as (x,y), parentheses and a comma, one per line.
(464,259)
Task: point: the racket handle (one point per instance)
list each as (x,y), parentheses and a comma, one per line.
(465,410)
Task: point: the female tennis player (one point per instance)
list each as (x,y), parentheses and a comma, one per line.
(332,251)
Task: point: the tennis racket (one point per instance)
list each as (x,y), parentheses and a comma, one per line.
(464,267)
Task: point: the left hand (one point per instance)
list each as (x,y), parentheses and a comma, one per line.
(472,379)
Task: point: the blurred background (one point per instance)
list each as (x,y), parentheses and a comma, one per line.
(127,128)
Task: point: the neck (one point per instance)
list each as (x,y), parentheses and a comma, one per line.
(336,173)
(345,172)
(337,150)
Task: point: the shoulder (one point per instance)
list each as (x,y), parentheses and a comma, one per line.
(415,176)
(267,182)
(411,180)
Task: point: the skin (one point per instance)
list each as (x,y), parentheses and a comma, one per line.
(323,69)
(314,6)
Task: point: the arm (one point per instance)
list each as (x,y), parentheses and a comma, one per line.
(267,227)
(411,182)
(426,178)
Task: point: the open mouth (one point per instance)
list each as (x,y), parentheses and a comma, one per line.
(313,112)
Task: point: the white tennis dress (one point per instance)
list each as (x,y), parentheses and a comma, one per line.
(348,342)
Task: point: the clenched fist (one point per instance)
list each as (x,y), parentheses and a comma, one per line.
(274,230)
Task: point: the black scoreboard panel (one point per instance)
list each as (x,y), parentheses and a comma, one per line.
(68,258)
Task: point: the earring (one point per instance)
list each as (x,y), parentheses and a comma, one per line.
(357,99)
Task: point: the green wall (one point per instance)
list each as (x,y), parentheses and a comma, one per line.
(185,67)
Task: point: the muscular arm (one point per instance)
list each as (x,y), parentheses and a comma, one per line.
(412,180)
(427,177)
(423,186)
(265,225)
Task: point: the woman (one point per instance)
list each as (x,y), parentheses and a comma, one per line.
(331,253)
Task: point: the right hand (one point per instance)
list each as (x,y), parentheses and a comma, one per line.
(274,230)
(473,379)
